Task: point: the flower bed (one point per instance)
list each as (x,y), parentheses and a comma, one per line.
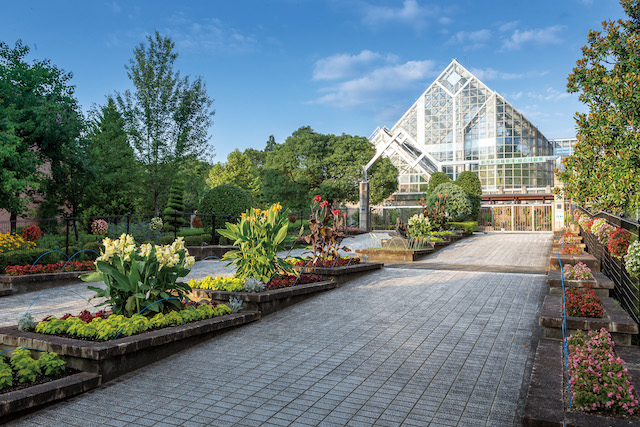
(598,378)
(572,259)
(21,370)
(583,302)
(101,327)
(600,283)
(22,270)
(327,263)
(580,271)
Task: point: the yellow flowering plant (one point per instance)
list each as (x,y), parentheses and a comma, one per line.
(138,276)
(260,235)
(11,242)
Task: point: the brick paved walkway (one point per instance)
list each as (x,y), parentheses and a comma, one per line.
(399,346)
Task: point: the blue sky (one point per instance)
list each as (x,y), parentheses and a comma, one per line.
(339,66)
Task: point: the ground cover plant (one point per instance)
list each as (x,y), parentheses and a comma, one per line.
(218,283)
(598,379)
(107,327)
(326,263)
(580,271)
(21,370)
(21,270)
(234,284)
(583,302)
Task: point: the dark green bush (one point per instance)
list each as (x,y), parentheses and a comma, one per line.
(471,185)
(166,240)
(29,256)
(191,232)
(225,199)
(94,246)
(193,240)
(207,238)
(224,241)
(436,179)
(468,226)
(458,205)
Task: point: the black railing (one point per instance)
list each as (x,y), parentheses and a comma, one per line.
(627,289)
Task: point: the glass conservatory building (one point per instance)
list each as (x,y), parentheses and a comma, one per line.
(460,124)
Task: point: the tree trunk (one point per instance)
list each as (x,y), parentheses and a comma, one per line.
(13,221)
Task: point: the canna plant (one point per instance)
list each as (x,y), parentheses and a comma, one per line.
(325,230)
(260,235)
(137,277)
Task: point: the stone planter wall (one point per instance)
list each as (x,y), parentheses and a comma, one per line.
(592,262)
(344,273)
(615,319)
(37,282)
(110,359)
(393,255)
(601,284)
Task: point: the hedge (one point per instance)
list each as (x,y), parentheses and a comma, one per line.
(468,226)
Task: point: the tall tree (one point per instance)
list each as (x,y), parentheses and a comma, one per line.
(40,123)
(167,116)
(310,163)
(114,188)
(238,170)
(605,169)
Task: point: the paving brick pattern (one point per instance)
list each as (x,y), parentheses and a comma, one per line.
(395,347)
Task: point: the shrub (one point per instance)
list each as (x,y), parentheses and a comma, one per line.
(29,256)
(94,246)
(193,241)
(467,226)
(436,179)
(191,232)
(31,233)
(471,185)
(208,238)
(196,222)
(174,204)
(99,227)
(618,242)
(418,226)
(225,199)
(457,205)
(166,240)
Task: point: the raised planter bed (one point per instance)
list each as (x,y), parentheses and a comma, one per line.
(343,274)
(201,252)
(615,319)
(544,405)
(601,284)
(36,282)
(394,255)
(267,302)
(5,289)
(110,359)
(592,262)
(19,401)
(558,246)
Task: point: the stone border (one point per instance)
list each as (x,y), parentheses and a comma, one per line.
(19,401)
(601,284)
(592,262)
(267,302)
(38,282)
(616,320)
(200,252)
(343,273)
(544,404)
(394,255)
(111,359)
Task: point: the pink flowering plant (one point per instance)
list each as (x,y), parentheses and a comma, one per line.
(585,222)
(597,377)
(569,239)
(601,229)
(99,226)
(580,271)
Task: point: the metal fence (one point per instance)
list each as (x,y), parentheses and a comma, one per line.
(385,217)
(516,217)
(626,289)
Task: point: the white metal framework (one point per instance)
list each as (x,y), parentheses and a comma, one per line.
(460,124)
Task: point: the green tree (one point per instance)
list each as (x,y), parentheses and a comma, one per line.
(115,187)
(471,185)
(457,205)
(167,116)
(383,181)
(39,125)
(604,172)
(238,170)
(193,173)
(175,204)
(310,163)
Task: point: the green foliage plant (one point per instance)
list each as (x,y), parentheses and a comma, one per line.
(260,235)
(457,205)
(51,364)
(139,276)
(24,365)
(419,226)
(471,185)
(6,374)
(175,204)
(603,171)
(466,226)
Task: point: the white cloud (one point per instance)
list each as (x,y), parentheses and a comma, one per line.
(491,74)
(472,39)
(376,84)
(209,34)
(550,94)
(508,26)
(343,65)
(539,36)
(411,13)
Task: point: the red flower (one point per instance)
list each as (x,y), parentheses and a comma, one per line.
(324,204)
(437,203)
(317,198)
(344,214)
(336,212)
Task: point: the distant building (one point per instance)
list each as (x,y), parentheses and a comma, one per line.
(460,124)
(563,147)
